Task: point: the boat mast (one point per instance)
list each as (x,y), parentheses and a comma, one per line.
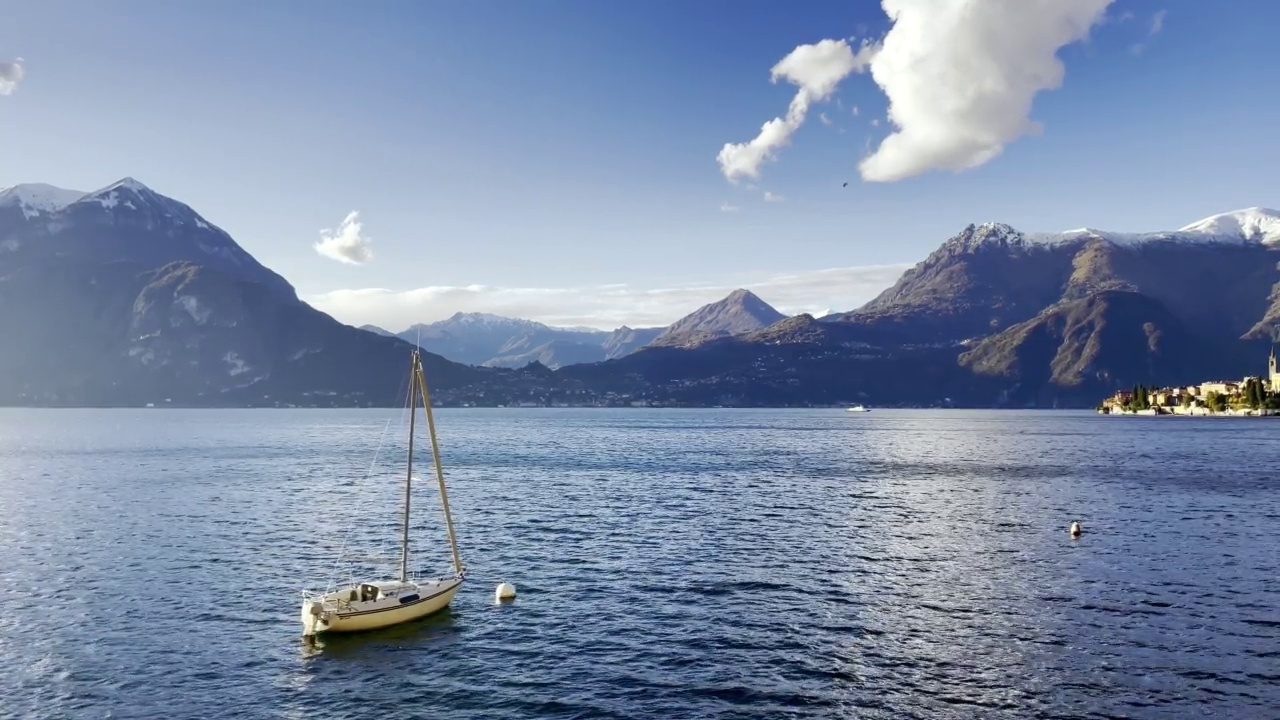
(435,455)
(408,478)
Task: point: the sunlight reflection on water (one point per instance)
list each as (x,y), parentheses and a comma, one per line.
(670,563)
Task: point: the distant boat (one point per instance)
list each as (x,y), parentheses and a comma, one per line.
(378,604)
(856,408)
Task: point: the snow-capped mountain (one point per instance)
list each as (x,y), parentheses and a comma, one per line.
(499,341)
(1255,225)
(124,220)
(1250,226)
(35,199)
(485,339)
(126,296)
(1070,314)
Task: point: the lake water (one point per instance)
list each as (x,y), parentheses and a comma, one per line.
(670,564)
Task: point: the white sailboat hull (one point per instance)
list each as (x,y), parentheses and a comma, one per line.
(372,605)
(395,603)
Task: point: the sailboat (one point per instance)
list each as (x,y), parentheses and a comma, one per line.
(381,603)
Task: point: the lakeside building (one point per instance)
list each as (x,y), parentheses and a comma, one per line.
(1251,395)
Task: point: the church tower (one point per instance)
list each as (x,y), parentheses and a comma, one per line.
(1273,373)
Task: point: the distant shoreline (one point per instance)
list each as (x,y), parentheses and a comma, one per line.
(1206,414)
(833,408)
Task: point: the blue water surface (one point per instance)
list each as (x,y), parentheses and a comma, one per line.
(670,564)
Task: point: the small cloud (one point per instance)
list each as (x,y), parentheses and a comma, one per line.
(348,244)
(1157,22)
(816,69)
(855,111)
(875,122)
(825,120)
(773,197)
(726,207)
(11,74)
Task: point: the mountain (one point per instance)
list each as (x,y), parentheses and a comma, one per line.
(123,222)
(481,338)
(497,341)
(35,199)
(123,296)
(740,312)
(995,316)
(991,276)
(984,279)
(1254,225)
(796,362)
(553,354)
(626,340)
(377,330)
(1090,346)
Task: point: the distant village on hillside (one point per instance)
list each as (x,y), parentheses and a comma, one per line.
(1251,396)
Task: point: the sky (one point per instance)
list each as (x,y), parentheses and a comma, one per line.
(599,163)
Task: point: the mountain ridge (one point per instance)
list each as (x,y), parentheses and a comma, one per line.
(996,317)
(128,297)
(140,298)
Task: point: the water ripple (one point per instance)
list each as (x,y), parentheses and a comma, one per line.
(726,564)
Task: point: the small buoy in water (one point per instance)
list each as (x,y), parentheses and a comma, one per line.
(505,591)
(1075,528)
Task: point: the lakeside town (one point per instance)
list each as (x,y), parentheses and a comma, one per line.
(1251,396)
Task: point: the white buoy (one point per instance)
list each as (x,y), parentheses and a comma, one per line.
(1075,529)
(505,591)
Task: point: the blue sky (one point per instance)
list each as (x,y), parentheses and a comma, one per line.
(563,155)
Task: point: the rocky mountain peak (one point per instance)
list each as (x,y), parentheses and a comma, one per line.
(742,311)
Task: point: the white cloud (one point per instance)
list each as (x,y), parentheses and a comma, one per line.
(11,74)
(1157,22)
(960,77)
(816,69)
(855,111)
(772,197)
(348,244)
(825,120)
(605,306)
(726,207)
(875,122)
